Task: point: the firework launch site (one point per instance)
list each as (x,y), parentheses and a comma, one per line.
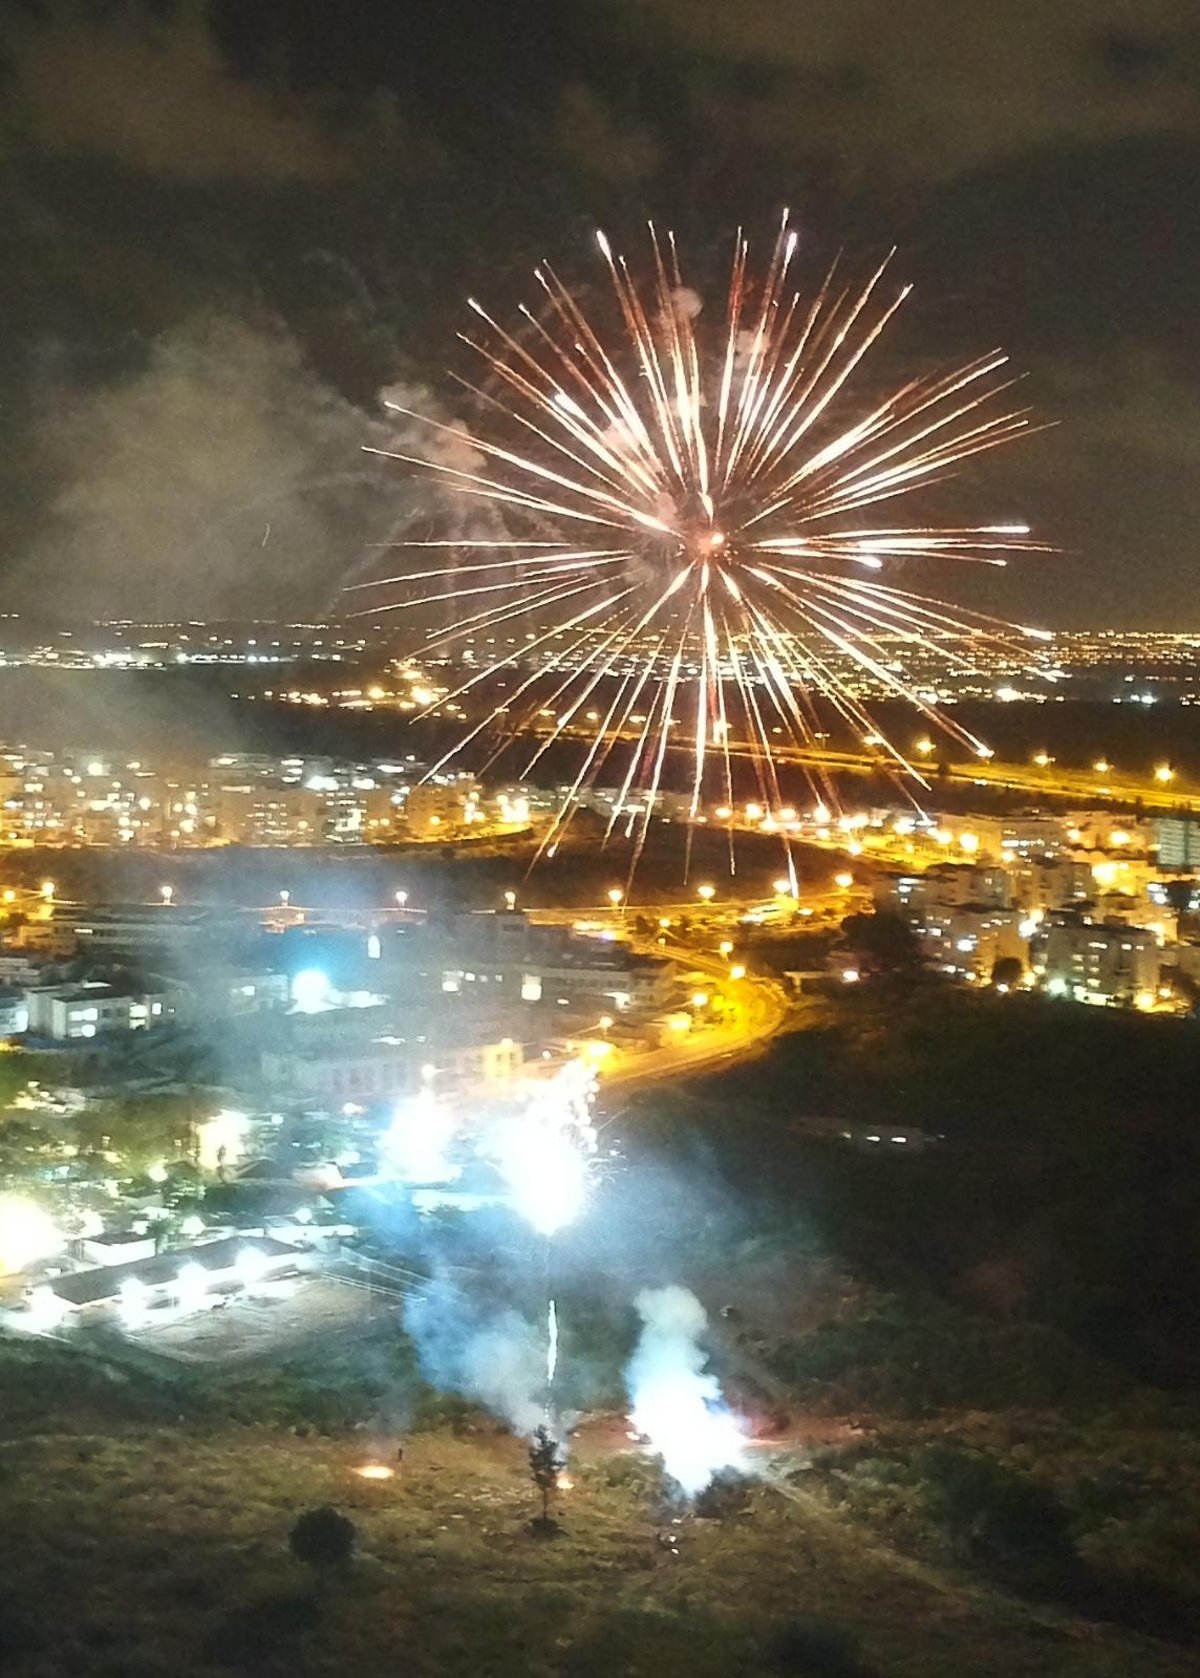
(848,1355)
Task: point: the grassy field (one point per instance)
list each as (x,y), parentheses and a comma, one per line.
(980,1474)
(149,1550)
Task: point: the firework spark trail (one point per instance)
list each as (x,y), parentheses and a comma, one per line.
(682,523)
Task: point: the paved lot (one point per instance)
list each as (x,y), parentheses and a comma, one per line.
(273,1319)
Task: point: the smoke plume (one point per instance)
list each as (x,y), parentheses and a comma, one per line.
(498,1360)
(674,1400)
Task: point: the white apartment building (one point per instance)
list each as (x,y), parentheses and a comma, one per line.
(72,1013)
(1098,962)
(967,942)
(1041,882)
(383,1067)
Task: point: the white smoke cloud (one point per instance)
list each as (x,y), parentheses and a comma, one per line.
(222,477)
(674,1400)
(686,303)
(497,1360)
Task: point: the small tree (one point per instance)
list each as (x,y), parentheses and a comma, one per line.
(883,944)
(323,1539)
(545,1466)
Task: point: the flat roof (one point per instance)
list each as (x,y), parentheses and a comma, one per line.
(86,1287)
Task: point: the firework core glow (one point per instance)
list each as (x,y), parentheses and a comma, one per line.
(545,1153)
(689,523)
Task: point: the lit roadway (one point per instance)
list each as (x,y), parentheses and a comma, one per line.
(744,1013)
(1117,787)
(756,1010)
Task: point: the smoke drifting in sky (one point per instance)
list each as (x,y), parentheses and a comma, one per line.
(221,478)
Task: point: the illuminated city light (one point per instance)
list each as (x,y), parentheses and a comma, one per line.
(27,1234)
(311,992)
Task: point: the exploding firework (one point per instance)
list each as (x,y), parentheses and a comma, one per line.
(547,1152)
(676,522)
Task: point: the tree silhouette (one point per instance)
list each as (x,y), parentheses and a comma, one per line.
(545,1466)
(883,943)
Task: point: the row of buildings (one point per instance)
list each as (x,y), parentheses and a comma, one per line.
(1083,904)
(239,799)
(326,1014)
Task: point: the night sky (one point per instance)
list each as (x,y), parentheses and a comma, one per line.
(229,228)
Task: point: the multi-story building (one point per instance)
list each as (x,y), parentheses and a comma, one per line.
(69,1013)
(152,928)
(943,885)
(1049,882)
(509,957)
(433,807)
(967,940)
(380,1068)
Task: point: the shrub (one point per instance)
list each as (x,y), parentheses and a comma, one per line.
(726,1496)
(815,1649)
(323,1539)
(996,1515)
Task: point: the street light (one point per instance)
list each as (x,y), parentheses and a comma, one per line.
(924,745)
(706,893)
(285,897)
(615,894)
(1043,759)
(1102,766)
(167,893)
(401,899)
(1164,773)
(737,971)
(725,947)
(48,889)
(510,900)
(843,881)
(700,999)
(782,888)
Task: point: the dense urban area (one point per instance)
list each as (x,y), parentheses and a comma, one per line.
(599,839)
(293,1040)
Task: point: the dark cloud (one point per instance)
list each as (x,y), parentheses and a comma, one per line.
(926,91)
(150,90)
(231,225)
